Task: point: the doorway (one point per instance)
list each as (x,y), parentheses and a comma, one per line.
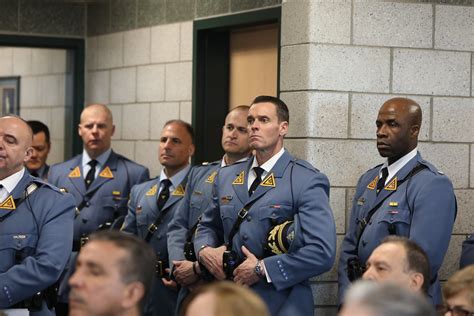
(236,58)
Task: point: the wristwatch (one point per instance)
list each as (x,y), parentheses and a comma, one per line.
(259,269)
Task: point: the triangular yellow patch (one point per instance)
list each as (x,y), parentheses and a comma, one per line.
(373,184)
(392,186)
(76,173)
(152,190)
(240,178)
(8,204)
(211,177)
(106,173)
(269,181)
(179,191)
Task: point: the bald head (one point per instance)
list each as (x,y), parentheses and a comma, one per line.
(398,125)
(407,106)
(15,145)
(96,129)
(97,108)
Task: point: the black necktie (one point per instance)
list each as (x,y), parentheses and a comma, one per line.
(34,174)
(91,174)
(381,182)
(164,194)
(258,171)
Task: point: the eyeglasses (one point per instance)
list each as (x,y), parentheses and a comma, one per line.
(455,311)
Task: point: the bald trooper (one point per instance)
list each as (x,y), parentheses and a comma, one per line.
(255,195)
(235,142)
(152,205)
(99,179)
(36,220)
(405,196)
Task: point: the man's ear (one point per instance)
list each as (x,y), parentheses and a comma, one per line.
(192,149)
(28,153)
(283,128)
(133,293)
(414,131)
(417,281)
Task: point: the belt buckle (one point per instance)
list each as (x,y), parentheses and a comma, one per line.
(243,213)
(152,228)
(159,268)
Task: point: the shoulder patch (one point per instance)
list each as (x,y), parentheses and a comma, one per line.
(306,165)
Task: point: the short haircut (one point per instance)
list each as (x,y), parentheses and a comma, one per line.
(38,127)
(283,113)
(240,108)
(386,299)
(139,265)
(184,124)
(231,300)
(462,280)
(417,259)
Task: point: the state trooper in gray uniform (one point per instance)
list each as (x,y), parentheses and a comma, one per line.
(235,142)
(152,205)
(250,198)
(36,220)
(404,196)
(99,179)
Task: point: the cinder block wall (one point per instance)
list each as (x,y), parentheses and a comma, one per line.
(43,74)
(145,75)
(139,61)
(340,60)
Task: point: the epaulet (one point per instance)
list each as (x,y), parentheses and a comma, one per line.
(207,163)
(122,157)
(240,161)
(305,164)
(431,167)
(41,183)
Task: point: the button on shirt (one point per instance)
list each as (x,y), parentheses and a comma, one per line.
(9,183)
(101,160)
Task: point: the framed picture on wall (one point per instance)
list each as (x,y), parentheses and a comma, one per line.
(10,95)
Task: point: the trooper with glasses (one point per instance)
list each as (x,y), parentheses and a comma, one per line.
(458,293)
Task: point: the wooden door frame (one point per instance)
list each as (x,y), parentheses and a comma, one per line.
(210,91)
